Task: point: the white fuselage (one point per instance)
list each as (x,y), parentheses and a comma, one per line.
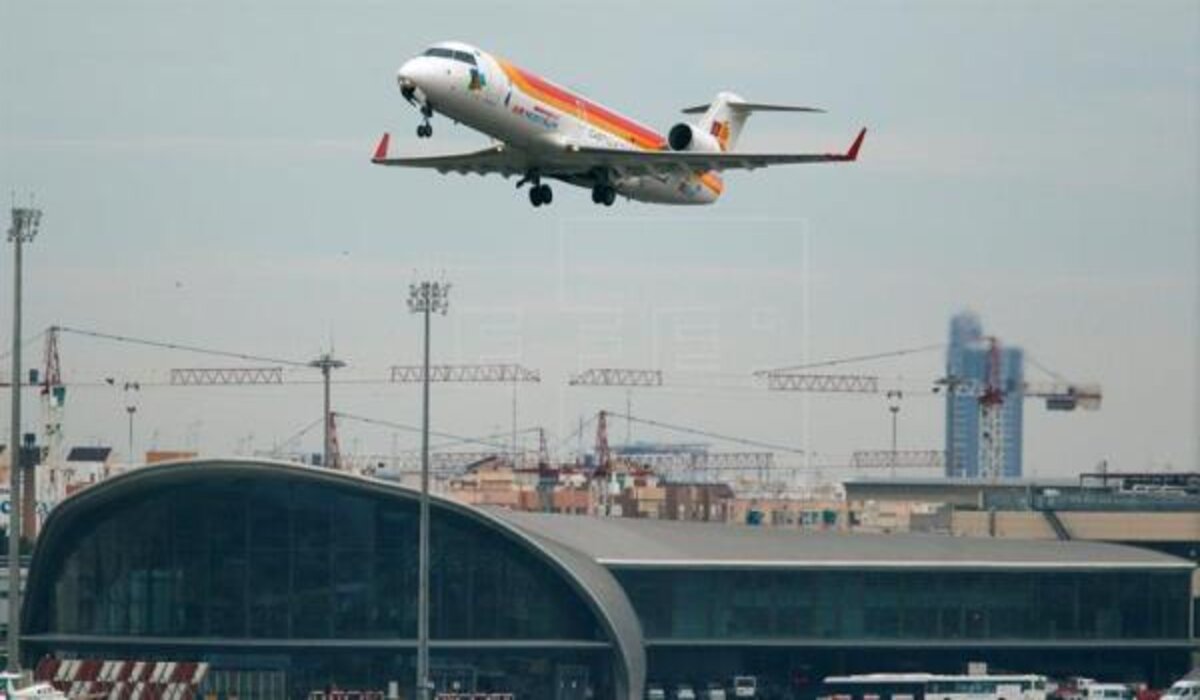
(543,122)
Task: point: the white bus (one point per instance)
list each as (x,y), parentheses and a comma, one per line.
(929,686)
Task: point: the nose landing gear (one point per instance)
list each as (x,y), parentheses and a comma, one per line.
(425,129)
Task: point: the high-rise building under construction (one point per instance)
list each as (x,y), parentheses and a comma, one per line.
(984,399)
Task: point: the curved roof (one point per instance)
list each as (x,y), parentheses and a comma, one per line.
(592,581)
(629,543)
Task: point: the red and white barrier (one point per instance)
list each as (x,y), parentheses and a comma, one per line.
(99,679)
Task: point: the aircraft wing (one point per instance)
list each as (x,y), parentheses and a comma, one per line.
(494,159)
(665,162)
(503,160)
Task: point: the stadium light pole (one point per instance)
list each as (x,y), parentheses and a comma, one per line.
(25,223)
(131,409)
(893,398)
(426,298)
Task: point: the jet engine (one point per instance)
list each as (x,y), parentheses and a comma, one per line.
(685,137)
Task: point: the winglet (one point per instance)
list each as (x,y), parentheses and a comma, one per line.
(381,150)
(852,154)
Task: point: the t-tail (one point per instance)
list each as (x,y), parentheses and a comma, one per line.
(722,123)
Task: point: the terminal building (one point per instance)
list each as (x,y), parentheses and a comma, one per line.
(308,578)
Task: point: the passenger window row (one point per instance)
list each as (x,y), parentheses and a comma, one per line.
(463,56)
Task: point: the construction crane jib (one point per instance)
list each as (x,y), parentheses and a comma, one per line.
(208,376)
(607,376)
(465,373)
(830,383)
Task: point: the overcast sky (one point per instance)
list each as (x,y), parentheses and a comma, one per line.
(204,171)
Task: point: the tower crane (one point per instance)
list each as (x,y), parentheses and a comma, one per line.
(486,373)
(54,399)
(991,418)
(628,378)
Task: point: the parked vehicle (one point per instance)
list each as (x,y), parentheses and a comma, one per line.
(876,686)
(9,687)
(714,691)
(683,691)
(1106,691)
(1183,689)
(745,687)
(655,691)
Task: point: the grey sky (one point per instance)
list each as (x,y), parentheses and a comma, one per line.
(203,166)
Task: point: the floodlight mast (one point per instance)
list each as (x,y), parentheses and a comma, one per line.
(425,298)
(25,224)
(893,398)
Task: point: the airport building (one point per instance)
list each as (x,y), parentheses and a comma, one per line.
(307,577)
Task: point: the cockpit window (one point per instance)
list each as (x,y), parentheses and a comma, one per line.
(461,56)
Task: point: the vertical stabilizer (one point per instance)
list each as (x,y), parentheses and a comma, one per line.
(723,120)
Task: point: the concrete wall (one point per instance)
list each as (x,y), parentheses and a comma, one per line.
(1123,527)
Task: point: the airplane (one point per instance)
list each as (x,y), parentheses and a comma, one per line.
(544,131)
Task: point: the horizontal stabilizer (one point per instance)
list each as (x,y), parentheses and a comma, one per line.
(748,107)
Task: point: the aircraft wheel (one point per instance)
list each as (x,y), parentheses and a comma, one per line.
(596,199)
(609,196)
(547,193)
(535,196)
(424,131)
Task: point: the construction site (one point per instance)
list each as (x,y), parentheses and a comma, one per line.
(596,468)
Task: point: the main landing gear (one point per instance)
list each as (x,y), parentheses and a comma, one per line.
(604,194)
(539,194)
(425,129)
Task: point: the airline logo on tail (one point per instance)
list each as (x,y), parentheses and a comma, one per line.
(720,131)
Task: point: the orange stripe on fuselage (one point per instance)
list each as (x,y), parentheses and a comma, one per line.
(597,116)
(570,103)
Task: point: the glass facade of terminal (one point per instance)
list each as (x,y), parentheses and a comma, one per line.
(278,562)
(912,605)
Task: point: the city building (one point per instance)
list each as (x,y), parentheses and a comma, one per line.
(811,513)
(87,465)
(1160,511)
(976,447)
(279,571)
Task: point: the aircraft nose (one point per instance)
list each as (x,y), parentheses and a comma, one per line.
(415,73)
(406,75)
